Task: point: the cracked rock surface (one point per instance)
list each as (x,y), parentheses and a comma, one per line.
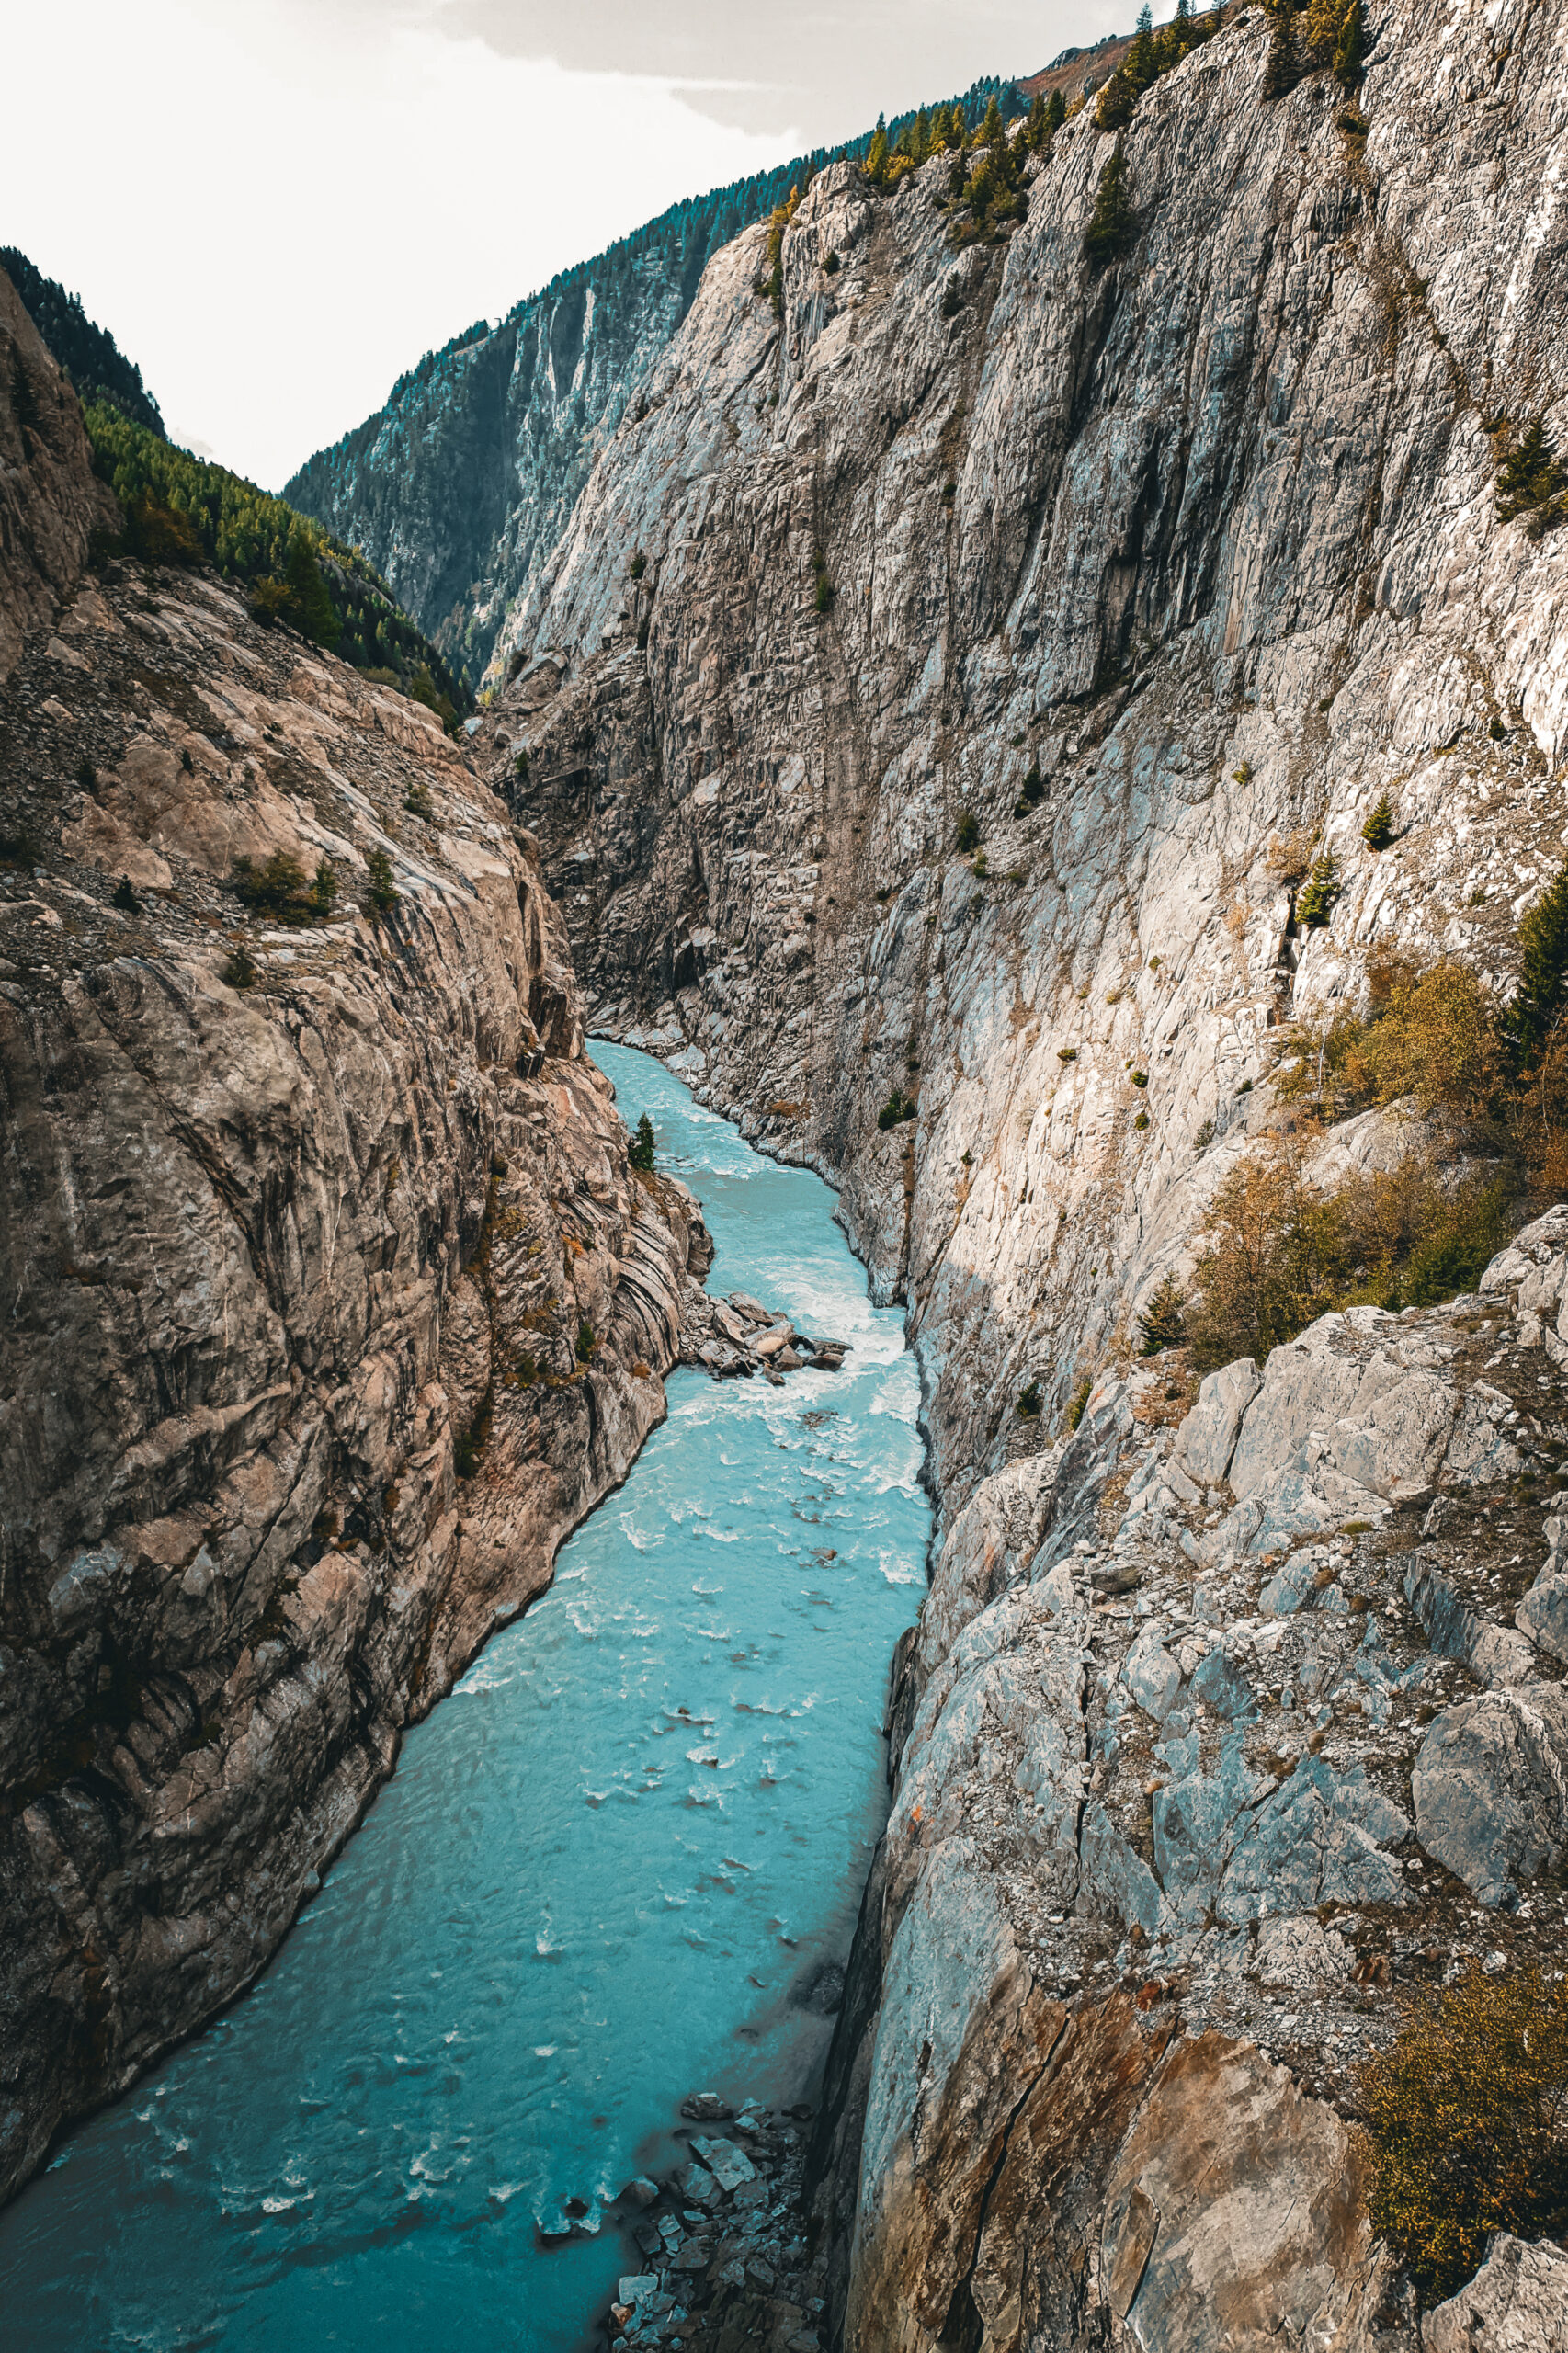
(332,1302)
(1164,576)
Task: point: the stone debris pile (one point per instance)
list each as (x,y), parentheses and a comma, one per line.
(737,1337)
(719,2238)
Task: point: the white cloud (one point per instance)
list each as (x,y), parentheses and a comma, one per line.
(275,213)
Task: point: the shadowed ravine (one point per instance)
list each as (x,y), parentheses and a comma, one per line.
(604,1873)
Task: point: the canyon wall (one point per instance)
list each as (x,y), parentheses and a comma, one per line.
(1150,580)
(332,1302)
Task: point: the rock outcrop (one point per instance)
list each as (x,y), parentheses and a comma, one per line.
(51,502)
(1517,2302)
(1147,583)
(332,1300)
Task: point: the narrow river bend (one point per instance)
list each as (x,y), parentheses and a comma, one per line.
(605,1874)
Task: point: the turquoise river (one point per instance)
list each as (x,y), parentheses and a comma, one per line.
(603,1875)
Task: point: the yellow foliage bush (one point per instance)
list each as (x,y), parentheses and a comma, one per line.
(1430,1032)
(1280,1253)
(1468,2115)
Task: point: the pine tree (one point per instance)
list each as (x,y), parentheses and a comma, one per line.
(990,132)
(877,154)
(1113,224)
(1139,66)
(1543,969)
(310,607)
(920,136)
(1378,831)
(1037,133)
(1162,1322)
(640,1152)
(1530,475)
(1348,51)
(1283,70)
(1055,112)
(1115,102)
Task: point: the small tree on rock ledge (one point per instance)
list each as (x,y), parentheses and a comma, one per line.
(1113,224)
(641,1150)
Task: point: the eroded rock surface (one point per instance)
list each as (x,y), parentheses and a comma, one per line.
(332,1300)
(1162,576)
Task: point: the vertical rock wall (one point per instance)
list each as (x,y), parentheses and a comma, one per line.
(303,1216)
(1161,577)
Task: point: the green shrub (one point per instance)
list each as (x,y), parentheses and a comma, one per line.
(1139,1077)
(1027,1406)
(1113,224)
(239,973)
(1162,1323)
(898,1108)
(825,592)
(1285,66)
(1141,1121)
(86,774)
(586,1342)
(125,898)
(419,803)
(1532,482)
(278,888)
(1315,902)
(638,565)
(1544,968)
(382,893)
(1279,1253)
(967,836)
(1468,2116)
(1350,48)
(1378,831)
(1205,1136)
(640,1151)
(1079,1399)
(1032,791)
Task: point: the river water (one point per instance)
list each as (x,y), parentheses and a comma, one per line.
(607,1870)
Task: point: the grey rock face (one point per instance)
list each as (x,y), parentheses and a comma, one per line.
(51,502)
(1517,2302)
(1163,576)
(1490,1788)
(1206,1438)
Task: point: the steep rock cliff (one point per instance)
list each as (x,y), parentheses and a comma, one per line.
(459,487)
(332,1302)
(1163,575)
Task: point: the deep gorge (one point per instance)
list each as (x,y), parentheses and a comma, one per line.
(950,730)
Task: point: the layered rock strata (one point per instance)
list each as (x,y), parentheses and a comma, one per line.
(1147,583)
(332,1300)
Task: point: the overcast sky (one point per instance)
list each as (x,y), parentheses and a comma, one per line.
(277,205)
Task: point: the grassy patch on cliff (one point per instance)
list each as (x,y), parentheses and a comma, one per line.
(1494,1075)
(1468,2115)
